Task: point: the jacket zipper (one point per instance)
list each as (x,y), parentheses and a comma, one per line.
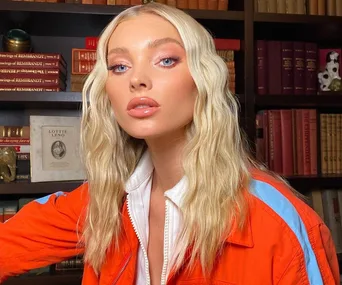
(147,272)
(122,269)
(166,244)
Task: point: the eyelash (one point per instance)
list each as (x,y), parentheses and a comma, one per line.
(174,59)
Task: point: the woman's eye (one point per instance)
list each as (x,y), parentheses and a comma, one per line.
(166,62)
(118,68)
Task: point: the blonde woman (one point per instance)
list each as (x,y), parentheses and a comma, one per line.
(172,194)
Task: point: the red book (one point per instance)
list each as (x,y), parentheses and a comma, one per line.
(286,142)
(311,69)
(275,141)
(261,67)
(14,141)
(227,44)
(266,137)
(287,67)
(306,141)
(274,64)
(91,43)
(313,141)
(299,68)
(299,142)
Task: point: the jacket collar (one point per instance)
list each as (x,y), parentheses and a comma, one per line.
(242,236)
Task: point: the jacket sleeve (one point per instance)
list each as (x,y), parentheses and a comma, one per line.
(327,272)
(45,231)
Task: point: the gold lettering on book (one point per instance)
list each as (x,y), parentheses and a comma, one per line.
(29,71)
(28,80)
(28,55)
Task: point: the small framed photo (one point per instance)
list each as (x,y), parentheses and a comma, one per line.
(54,148)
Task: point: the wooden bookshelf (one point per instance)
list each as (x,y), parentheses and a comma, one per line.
(26,187)
(296,19)
(69,24)
(62,279)
(305,183)
(65,8)
(331,101)
(46,100)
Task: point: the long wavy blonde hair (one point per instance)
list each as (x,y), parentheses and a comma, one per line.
(216,160)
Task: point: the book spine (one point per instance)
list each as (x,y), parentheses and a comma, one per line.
(290,7)
(82,67)
(30,89)
(313,141)
(300,7)
(324,143)
(338,143)
(227,44)
(28,77)
(299,68)
(212,4)
(299,143)
(18,148)
(272,6)
(202,4)
(329,143)
(274,64)
(19,141)
(294,141)
(32,64)
(14,132)
(31,71)
(31,56)
(83,54)
(30,82)
(286,142)
(222,5)
(313,7)
(333,143)
(287,67)
(310,68)
(338,7)
(321,7)
(261,66)
(306,141)
(331,7)
(281,6)
(275,141)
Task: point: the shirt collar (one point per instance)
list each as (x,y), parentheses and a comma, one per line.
(144,170)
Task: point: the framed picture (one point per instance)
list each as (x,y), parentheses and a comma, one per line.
(55,148)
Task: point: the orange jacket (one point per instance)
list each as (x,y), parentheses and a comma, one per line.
(285,242)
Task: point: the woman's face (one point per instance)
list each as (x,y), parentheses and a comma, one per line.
(149,84)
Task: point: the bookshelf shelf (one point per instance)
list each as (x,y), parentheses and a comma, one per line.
(296,19)
(65,8)
(47,100)
(26,187)
(330,101)
(90,19)
(304,183)
(63,279)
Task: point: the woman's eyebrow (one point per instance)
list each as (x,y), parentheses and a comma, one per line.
(151,45)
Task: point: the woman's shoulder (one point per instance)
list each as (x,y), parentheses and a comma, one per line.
(282,222)
(276,194)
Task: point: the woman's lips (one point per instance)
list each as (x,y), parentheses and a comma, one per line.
(142,107)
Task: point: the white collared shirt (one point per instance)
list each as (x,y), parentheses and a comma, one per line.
(138,188)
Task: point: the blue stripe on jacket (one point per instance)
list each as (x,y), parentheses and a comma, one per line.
(284,208)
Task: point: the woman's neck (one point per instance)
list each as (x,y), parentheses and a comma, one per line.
(166,154)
